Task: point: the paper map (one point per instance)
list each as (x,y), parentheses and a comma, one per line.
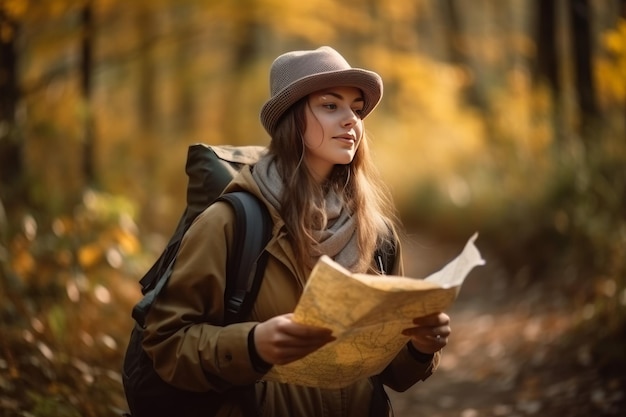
(367,314)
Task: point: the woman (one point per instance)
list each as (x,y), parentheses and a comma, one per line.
(319,184)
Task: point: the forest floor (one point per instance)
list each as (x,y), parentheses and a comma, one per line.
(513,352)
(517,349)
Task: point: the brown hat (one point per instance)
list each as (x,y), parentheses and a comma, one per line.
(299,73)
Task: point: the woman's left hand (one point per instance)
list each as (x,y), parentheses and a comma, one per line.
(430,333)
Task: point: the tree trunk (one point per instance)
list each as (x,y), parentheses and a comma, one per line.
(580,15)
(11,148)
(457,50)
(184,116)
(244,49)
(547,64)
(147,149)
(147,72)
(12,190)
(86,88)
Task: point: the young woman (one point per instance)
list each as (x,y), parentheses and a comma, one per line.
(319,184)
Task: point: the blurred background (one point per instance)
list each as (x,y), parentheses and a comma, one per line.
(506,117)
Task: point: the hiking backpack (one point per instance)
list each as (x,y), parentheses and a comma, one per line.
(209,170)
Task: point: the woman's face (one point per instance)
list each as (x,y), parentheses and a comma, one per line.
(333,129)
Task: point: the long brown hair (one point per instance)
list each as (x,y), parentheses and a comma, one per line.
(358,184)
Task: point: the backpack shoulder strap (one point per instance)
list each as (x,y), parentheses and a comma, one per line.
(150,279)
(209,170)
(245,265)
(385,256)
(247,259)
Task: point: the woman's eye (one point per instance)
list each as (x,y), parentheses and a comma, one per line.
(330,106)
(358,112)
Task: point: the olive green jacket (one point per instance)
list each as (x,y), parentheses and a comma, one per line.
(191,350)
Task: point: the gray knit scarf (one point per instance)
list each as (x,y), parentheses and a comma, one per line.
(338,240)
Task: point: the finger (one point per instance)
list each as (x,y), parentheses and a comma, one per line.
(289,354)
(437,319)
(426,330)
(438,338)
(429,343)
(298,336)
(303,331)
(441,331)
(302,343)
(419,331)
(284,324)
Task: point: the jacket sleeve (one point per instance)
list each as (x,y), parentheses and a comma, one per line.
(183,336)
(405,369)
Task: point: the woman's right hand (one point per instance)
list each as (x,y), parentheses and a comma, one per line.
(280,340)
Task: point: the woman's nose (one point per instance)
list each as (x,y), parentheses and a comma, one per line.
(350,118)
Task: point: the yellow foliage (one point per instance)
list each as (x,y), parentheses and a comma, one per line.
(15,9)
(615,40)
(320,22)
(611,70)
(425,131)
(89,255)
(23,263)
(128,242)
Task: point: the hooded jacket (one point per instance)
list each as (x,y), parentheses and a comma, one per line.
(192,351)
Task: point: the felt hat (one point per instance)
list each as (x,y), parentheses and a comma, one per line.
(297,74)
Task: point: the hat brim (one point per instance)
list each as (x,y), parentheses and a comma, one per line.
(368,82)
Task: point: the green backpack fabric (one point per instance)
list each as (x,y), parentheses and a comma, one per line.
(210,169)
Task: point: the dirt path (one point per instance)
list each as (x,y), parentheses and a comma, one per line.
(507,355)
(481,369)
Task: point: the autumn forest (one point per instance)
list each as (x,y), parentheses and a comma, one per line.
(502,117)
